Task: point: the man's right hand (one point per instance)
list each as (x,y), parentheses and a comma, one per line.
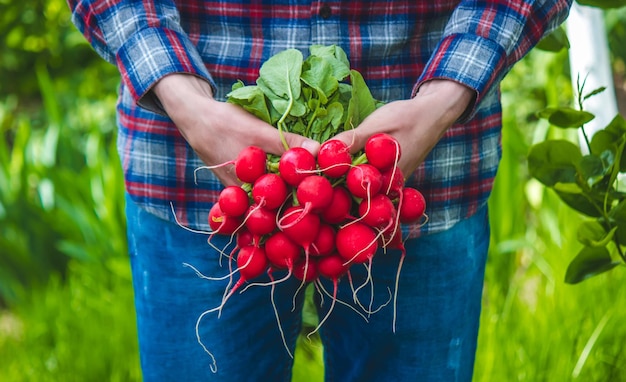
(218,131)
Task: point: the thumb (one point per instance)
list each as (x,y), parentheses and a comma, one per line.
(296,140)
(270,140)
(353,138)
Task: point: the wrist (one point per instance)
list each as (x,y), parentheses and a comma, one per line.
(452,98)
(178,91)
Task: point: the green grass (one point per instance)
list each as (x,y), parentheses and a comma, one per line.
(78,329)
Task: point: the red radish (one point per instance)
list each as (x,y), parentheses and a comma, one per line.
(233,201)
(334,158)
(393,182)
(315,193)
(364,180)
(332,267)
(382,151)
(301,228)
(378,212)
(393,239)
(244,238)
(260,221)
(250,164)
(356,242)
(339,209)
(412,207)
(269,191)
(324,243)
(296,164)
(221,223)
(281,251)
(251,263)
(305,271)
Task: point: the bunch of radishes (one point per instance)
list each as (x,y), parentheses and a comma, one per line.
(315,217)
(312,217)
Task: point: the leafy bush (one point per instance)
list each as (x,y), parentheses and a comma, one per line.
(61,193)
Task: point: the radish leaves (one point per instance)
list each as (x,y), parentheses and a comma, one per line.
(307,96)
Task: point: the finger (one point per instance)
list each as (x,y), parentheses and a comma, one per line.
(269,138)
(354,139)
(296,140)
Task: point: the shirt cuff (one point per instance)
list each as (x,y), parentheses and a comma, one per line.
(153,53)
(471,60)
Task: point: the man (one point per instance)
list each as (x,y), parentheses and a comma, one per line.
(437,65)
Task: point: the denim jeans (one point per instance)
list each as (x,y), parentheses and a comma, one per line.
(436,328)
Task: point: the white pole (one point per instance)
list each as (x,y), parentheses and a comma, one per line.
(589,58)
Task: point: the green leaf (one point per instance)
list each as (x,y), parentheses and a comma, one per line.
(555,41)
(602,141)
(279,78)
(569,188)
(614,136)
(565,117)
(592,234)
(608,144)
(617,126)
(617,215)
(238,84)
(335,113)
(591,168)
(589,262)
(361,104)
(336,57)
(298,127)
(252,99)
(319,76)
(298,109)
(594,92)
(582,203)
(554,161)
(603,4)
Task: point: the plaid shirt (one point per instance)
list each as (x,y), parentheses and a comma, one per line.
(396,45)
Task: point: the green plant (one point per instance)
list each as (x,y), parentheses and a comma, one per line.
(61,192)
(588,181)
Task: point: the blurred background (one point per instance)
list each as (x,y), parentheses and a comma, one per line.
(66,310)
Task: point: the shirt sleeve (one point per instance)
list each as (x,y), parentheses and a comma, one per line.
(143,39)
(484,39)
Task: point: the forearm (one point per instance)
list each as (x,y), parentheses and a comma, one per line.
(183,97)
(451,100)
(483,40)
(143,39)
(180,93)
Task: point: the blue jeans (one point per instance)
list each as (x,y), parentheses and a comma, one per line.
(438,309)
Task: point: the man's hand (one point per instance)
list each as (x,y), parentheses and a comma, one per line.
(417,124)
(216,130)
